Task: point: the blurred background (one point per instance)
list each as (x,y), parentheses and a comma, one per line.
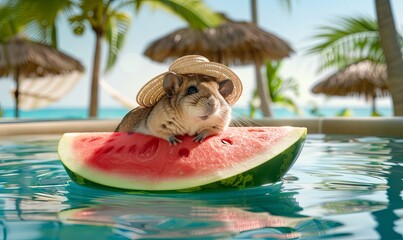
(325,38)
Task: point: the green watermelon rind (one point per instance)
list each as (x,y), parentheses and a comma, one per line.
(270,171)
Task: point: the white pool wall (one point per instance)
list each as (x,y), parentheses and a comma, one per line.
(370,126)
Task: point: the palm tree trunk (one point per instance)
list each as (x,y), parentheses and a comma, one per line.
(373,109)
(95,77)
(393,55)
(265,99)
(264,94)
(17,92)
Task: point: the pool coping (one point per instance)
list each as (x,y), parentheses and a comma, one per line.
(366,126)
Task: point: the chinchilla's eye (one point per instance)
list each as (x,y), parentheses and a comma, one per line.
(192,89)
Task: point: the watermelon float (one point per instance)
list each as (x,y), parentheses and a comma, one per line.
(238,158)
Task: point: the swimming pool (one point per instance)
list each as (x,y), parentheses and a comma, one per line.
(341,187)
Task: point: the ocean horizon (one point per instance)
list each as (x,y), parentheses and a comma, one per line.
(60,113)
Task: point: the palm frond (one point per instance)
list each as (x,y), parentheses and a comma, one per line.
(9,26)
(279,88)
(291,85)
(39,32)
(286,4)
(117,26)
(40,19)
(195,12)
(350,41)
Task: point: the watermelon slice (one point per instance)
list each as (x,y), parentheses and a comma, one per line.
(240,157)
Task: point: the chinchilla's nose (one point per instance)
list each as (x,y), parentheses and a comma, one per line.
(212,103)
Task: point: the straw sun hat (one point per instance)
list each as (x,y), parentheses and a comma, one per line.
(153,91)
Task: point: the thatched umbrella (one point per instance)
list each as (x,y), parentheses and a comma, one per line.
(22,58)
(359,79)
(231,43)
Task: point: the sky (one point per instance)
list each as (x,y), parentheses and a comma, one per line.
(133,69)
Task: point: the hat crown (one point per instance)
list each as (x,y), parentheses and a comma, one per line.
(188,59)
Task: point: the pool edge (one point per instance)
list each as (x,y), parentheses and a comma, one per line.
(367,126)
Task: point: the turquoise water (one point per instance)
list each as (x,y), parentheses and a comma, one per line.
(341,187)
(112,113)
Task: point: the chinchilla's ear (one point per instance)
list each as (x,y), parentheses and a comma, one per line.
(226,87)
(172,83)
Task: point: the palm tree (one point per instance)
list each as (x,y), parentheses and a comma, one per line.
(108,22)
(265,97)
(278,88)
(107,19)
(354,40)
(393,54)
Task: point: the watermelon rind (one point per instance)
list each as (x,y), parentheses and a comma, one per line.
(264,168)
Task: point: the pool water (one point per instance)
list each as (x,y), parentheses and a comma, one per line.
(341,187)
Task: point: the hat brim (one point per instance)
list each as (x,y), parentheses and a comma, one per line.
(153,91)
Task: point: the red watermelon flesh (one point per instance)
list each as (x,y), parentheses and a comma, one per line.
(137,161)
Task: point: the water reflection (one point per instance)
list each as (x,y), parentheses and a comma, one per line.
(355,178)
(387,218)
(148,222)
(341,187)
(264,211)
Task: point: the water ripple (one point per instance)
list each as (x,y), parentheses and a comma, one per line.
(339,188)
